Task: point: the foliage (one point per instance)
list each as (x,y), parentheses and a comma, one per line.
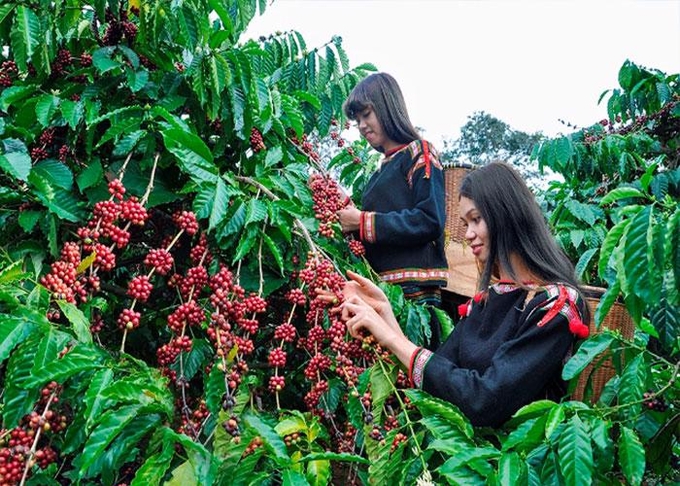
(162,252)
(485,138)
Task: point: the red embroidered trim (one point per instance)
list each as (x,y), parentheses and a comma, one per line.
(419,363)
(556,308)
(410,364)
(394,150)
(369,226)
(361,226)
(426,159)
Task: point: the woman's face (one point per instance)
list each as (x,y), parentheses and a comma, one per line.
(372,130)
(476,233)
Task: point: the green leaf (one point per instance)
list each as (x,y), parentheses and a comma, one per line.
(293,478)
(511,469)
(81,325)
(12,273)
(45,108)
(13,330)
(273,443)
(584,212)
(152,472)
(91,175)
(94,401)
(18,396)
(72,111)
(587,351)
(16,164)
(637,247)
(429,405)
(101,59)
(220,203)
(633,379)
(183,475)
(274,251)
(256,211)
(81,358)
(109,425)
(383,377)
(583,262)
(527,435)
(621,193)
(137,79)
(575,453)
(610,242)
(631,456)
(55,172)
(193,155)
(25,36)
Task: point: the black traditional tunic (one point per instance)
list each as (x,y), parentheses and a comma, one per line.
(507,351)
(403,218)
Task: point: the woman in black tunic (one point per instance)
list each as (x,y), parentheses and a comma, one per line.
(516,333)
(402,216)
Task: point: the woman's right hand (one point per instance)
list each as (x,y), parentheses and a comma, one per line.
(366,290)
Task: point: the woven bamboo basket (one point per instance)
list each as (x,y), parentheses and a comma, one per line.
(617,318)
(453,175)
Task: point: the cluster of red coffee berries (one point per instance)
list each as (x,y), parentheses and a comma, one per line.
(28,444)
(118,28)
(356,247)
(654,402)
(74,276)
(328,200)
(306,146)
(256,140)
(8,72)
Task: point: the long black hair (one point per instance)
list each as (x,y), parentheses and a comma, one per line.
(516,226)
(381,92)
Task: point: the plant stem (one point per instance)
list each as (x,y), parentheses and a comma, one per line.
(34,446)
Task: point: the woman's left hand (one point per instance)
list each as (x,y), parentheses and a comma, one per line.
(358,315)
(349,218)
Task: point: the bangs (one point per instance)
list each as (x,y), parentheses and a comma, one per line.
(356,103)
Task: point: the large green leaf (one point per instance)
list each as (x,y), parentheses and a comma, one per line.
(55,172)
(428,404)
(193,155)
(638,248)
(512,469)
(13,330)
(80,358)
(610,242)
(152,472)
(18,397)
(109,425)
(631,456)
(93,399)
(587,351)
(16,164)
(575,453)
(633,379)
(25,36)
(272,441)
(220,203)
(45,108)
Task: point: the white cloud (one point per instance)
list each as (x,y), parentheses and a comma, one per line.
(529,63)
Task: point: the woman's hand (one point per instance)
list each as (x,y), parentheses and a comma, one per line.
(359,315)
(368,292)
(349,218)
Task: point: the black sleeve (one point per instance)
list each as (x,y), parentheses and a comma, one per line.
(520,371)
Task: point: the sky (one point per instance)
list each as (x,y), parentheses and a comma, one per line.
(529,63)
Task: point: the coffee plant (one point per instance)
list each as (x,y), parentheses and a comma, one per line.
(168,206)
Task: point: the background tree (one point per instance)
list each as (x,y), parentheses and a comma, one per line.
(484,138)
